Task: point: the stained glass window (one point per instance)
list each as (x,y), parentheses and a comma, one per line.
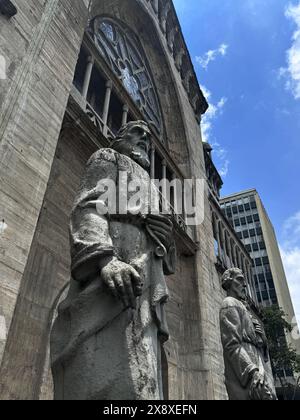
(122,51)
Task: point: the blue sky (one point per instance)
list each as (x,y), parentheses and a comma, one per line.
(247,57)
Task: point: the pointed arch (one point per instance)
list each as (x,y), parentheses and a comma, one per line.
(122,50)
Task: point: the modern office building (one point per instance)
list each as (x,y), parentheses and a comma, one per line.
(248,216)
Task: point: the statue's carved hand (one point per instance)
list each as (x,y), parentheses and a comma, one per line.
(162,227)
(259,390)
(123,281)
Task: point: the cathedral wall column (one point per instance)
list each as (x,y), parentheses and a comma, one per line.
(125,114)
(153,161)
(87,76)
(109,86)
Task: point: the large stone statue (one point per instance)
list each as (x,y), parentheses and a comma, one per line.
(248,372)
(106,343)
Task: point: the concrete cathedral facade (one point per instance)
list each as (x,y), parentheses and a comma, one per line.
(75,71)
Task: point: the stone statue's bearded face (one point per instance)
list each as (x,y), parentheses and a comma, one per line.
(134,141)
(238,287)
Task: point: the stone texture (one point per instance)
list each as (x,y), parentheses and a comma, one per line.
(194,354)
(40,46)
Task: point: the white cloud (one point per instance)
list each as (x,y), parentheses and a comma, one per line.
(292,72)
(211,55)
(214,110)
(292,228)
(291,262)
(290,251)
(221,155)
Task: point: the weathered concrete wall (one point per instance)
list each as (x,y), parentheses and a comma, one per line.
(40,46)
(194,351)
(46,274)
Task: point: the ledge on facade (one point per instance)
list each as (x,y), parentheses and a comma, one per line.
(7,8)
(81,122)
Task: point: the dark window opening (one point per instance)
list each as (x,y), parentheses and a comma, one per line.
(80,70)
(267,268)
(96,93)
(256,218)
(262,246)
(266,261)
(158,167)
(273,294)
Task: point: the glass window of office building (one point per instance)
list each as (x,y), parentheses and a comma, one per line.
(243,215)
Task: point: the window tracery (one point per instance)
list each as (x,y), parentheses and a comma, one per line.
(122,51)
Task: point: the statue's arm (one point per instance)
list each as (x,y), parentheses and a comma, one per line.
(232,339)
(92,247)
(91,244)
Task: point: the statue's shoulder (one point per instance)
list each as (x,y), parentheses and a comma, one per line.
(231,302)
(103,155)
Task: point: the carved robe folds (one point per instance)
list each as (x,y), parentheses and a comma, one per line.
(99,349)
(244,351)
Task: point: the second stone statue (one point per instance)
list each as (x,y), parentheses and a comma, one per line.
(248,373)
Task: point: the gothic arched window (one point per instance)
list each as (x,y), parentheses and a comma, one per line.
(122,50)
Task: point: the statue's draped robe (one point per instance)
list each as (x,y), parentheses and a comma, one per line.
(99,349)
(244,350)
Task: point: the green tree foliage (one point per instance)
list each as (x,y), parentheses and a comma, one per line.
(283,356)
